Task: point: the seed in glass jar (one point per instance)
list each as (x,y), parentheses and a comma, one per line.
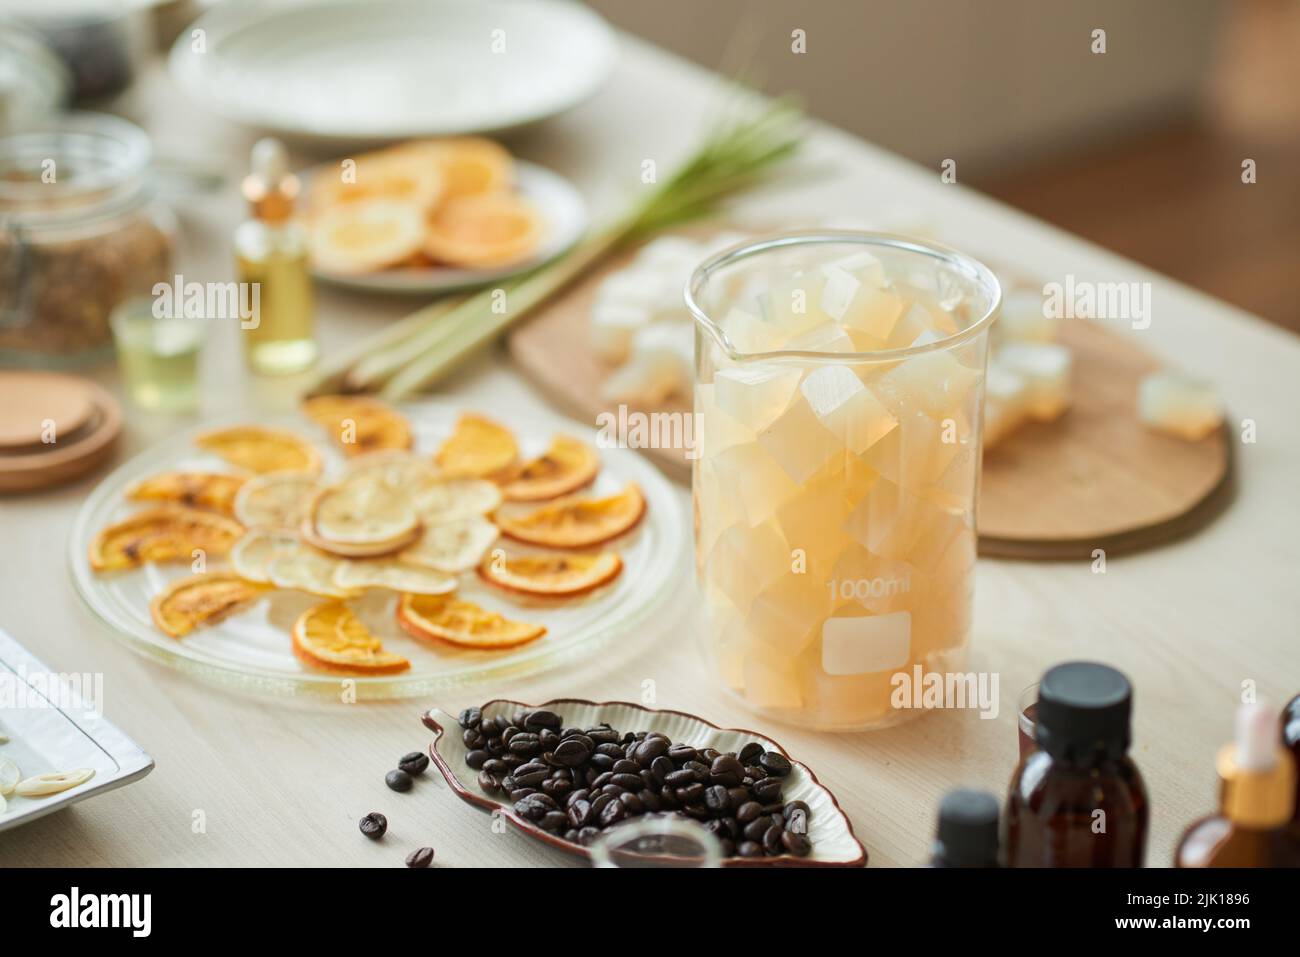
(774,764)
(398,780)
(373,825)
(422,857)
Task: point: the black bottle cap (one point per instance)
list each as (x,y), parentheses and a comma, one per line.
(968,830)
(1083,711)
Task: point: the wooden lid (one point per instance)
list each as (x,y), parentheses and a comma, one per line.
(53,428)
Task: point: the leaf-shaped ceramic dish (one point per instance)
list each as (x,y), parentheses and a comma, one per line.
(829,830)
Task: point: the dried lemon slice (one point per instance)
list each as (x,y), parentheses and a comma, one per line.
(362,518)
(163,533)
(214,490)
(359,425)
(277,500)
(331,637)
(394,174)
(394,575)
(447,499)
(462,623)
(578,521)
(202,600)
(404,471)
(367,235)
(551,576)
(478,448)
(454,545)
(493,229)
(308,570)
(566,466)
(53,782)
(252,555)
(261,450)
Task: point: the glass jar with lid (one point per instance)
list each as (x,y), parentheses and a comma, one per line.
(80,232)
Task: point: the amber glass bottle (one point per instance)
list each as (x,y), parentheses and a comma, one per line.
(1079,801)
(968,830)
(1256,799)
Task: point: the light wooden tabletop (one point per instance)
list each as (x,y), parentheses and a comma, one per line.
(279,783)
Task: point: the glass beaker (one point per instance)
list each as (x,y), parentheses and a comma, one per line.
(839,396)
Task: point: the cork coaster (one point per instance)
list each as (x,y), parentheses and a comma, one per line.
(53,428)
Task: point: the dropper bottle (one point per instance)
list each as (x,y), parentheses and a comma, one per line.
(968,830)
(271,254)
(1256,798)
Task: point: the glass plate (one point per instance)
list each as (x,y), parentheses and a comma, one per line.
(251,650)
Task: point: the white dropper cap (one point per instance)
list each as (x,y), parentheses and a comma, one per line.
(1257,738)
(269,161)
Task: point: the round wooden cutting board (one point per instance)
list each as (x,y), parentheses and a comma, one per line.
(53,428)
(1094,479)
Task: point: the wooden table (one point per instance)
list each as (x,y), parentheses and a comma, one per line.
(278,783)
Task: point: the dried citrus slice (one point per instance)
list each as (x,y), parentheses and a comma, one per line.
(214,490)
(566,466)
(452,546)
(462,623)
(252,555)
(367,235)
(394,575)
(276,500)
(493,229)
(470,166)
(478,448)
(259,449)
(202,600)
(577,521)
(401,469)
(361,518)
(359,425)
(331,637)
(551,576)
(402,175)
(446,499)
(309,570)
(163,533)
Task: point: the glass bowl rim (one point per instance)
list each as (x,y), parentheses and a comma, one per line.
(769,243)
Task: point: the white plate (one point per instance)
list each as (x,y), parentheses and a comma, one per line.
(52,726)
(564,217)
(374,70)
(829,829)
(251,651)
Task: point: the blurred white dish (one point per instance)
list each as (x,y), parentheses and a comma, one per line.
(564,217)
(376,70)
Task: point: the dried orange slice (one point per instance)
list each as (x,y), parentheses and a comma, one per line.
(470,166)
(577,521)
(492,229)
(454,545)
(361,518)
(202,600)
(478,448)
(332,638)
(462,623)
(367,235)
(551,576)
(566,466)
(277,500)
(163,533)
(214,490)
(402,175)
(260,449)
(359,425)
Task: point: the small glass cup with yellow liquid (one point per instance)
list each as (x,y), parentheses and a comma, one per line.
(158,355)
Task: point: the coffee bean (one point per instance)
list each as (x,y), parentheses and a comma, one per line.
(661,767)
(624,766)
(629,782)
(797,806)
(488,783)
(612,751)
(532,777)
(716,798)
(748,811)
(774,764)
(557,787)
(571,752)
(579,813)
(649,749)
(631,803)
(543,719)
(552,821)
(601,762)
(688,795)
(587,834)
(707,755)
(420,858)
(524,743)
(796,844)
(471,718)
(612,813)
(772,839)
(767,790)
(398,780)
(573,797)
(797,822)
(750,753)
(475,759)
(750,849)
(726,770)
(681,753)
(756,828)
(518,794)
(373,825)
(680,779)
(649,800)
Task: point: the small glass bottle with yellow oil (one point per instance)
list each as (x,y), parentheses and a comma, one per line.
(271,253)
